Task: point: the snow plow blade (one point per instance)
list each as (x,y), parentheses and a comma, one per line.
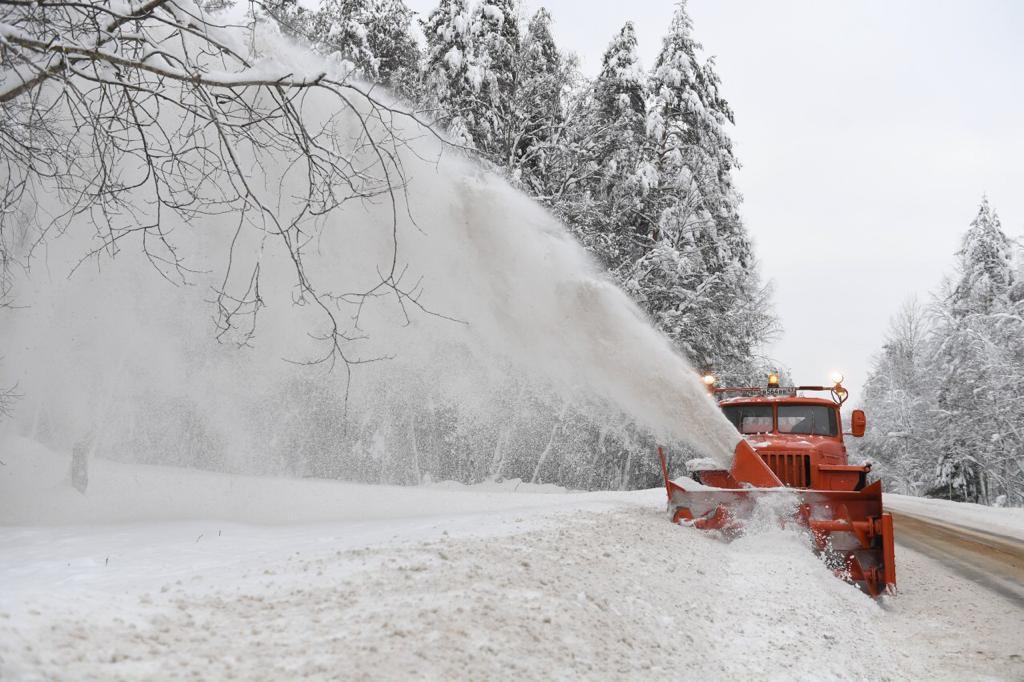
(849,528)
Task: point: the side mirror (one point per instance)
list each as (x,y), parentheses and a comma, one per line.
(858,421)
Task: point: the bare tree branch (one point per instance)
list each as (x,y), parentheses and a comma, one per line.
(133,112)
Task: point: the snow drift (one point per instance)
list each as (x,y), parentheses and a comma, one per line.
(156,575)
(509,353)
(437,584)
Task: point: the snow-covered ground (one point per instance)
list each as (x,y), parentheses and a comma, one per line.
(164,573)
(1006,521)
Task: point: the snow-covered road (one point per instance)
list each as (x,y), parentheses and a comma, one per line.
(993,561)
(983,545)
(458,583)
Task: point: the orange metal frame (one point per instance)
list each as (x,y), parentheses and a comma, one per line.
(851,523)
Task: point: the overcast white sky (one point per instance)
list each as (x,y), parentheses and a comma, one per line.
(868,132)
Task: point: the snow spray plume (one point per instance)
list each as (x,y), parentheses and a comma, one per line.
(508,355)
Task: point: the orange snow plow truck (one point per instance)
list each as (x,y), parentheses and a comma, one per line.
(794,441)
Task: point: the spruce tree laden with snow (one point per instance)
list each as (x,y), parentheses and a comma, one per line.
(493,88)
(396,52)
(373,35)
(978,345)
(621,153)
(537,109)
(699,276)
(639,167)
(493,73)
(339,27)
(447,89)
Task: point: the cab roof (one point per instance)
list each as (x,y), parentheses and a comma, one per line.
(777,399)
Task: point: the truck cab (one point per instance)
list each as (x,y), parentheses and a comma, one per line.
(799,437)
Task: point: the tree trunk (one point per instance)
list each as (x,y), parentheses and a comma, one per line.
(550,445)
(625,470)
(415,449)
(498,459)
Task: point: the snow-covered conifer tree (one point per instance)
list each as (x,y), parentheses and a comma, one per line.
(687,122)
(978,354)
(493,77)
(541,78)
(985,266)
(373,35)
(396,52)
(336,27)
(470,71)
(714,304)
(501,91)
(620,95)
(448,93)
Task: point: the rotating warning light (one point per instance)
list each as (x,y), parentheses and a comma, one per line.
(709,380)
(773,380)
(837,378)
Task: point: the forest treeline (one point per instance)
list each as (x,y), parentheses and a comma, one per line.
(636,161)
(945,394)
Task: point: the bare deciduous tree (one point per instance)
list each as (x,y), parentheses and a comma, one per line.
(131,110)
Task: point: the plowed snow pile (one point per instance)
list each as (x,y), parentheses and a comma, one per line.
(448,583)
(1007,521)
(442,583)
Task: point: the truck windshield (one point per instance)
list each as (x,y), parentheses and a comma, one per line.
(817,420)
(750,418)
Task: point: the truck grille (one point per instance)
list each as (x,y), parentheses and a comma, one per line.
(793,470)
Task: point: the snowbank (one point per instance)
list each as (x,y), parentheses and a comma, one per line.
(35,489)
(1001,520)
(437,582)
(616,594)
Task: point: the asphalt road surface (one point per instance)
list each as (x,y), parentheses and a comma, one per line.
(991,560)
